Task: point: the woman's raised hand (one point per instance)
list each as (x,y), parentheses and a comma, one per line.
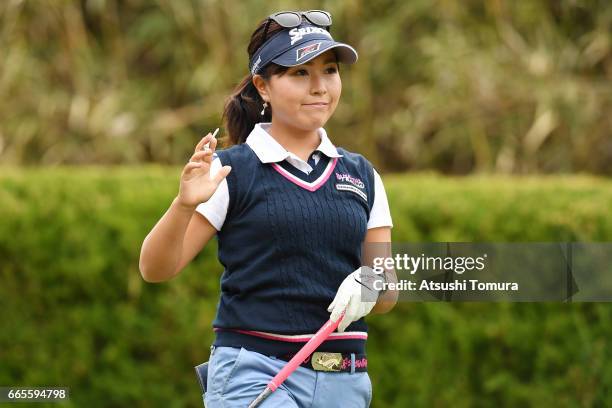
(196,184)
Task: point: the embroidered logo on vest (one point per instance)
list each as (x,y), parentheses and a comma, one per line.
(353,180)
(352,184)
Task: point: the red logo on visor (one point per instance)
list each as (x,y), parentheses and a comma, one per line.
(309,49)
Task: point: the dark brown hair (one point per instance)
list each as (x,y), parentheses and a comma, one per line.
(243,107)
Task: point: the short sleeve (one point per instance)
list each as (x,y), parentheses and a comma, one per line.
(380,216)
(215,209)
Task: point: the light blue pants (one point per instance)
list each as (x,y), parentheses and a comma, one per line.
(236,376)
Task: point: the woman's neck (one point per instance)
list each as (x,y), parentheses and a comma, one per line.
(297,141)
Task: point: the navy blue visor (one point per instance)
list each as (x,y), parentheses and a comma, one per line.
(297,46)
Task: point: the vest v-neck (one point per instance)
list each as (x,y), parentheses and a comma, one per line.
(313,181)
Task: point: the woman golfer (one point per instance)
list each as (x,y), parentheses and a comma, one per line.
(291,212)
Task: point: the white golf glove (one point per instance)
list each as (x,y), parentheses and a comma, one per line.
(357,295)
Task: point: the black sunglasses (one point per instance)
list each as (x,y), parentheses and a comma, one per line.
(290,19)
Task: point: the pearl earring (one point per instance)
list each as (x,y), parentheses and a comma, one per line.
(263,111)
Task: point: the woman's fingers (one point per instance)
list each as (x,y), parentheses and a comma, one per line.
(189,167)
(200,144)
(331,305)
(338,309)
(213,144)
(203,141)
(201,156)
(350,313)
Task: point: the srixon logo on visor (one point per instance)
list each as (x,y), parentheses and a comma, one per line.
(297,34)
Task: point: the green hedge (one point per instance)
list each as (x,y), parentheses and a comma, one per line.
(76,312)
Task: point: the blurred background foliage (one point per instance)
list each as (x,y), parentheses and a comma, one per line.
(453,86)
(76,312)
(458,86)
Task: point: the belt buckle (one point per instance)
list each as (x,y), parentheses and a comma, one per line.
(326,361)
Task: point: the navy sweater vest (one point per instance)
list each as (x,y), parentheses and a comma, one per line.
(287,243)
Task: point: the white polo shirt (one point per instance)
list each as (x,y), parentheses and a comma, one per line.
(268,150)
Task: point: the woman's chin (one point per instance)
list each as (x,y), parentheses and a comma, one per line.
(316,121)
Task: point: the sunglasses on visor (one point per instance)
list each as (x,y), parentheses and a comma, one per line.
(289,19)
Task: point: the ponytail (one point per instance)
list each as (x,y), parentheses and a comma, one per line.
(243,110)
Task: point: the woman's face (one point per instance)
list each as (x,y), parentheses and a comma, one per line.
(294,95)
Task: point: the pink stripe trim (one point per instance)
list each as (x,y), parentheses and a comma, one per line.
(297,339)
(322,179)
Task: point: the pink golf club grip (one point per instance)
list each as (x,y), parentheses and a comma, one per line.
(295,362)
(304,352)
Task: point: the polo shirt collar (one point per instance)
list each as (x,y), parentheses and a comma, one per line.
(268,150)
